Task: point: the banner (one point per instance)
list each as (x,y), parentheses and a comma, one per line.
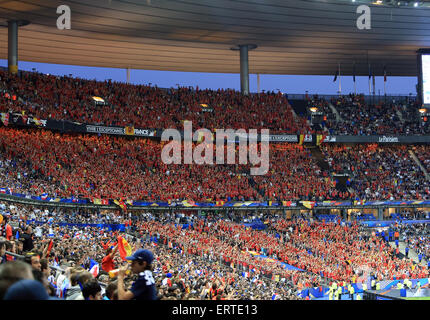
(219,204)
(283,138)
(22,120)
(411,139)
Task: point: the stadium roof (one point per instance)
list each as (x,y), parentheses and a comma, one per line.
(293,36)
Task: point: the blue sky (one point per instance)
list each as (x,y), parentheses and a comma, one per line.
(285,83)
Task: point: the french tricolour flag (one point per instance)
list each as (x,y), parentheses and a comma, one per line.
(2,190)
(94,268)
(245,274)
(44,196)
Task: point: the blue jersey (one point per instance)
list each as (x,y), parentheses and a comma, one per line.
(144,287)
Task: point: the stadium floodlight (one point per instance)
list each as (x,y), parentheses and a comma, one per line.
(313,109)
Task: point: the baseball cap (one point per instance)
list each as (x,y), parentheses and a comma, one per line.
(27,290)
(142,254)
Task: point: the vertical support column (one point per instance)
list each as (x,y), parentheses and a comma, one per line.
(244,70)
(128,75)
(258,82)
(244,66)
(12,46)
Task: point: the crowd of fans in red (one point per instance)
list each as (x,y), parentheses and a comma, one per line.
(65,98)
(40,162)
(295,175)
(341,252)
(208,246)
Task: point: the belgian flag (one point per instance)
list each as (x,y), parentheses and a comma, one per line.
(320,138)
(121,204)
(301,139)
(129,131)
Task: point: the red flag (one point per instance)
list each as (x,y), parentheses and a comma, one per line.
(124,248)
(49,247)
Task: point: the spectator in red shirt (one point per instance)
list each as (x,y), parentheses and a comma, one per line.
(107,262)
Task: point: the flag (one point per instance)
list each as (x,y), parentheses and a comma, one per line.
(2,190)
(189,203)
(124,248)
(129,131)
(97,201)
(94,268)
(5,118)
(353,72)
(44,196)
(245,274)
(308,204)
(385,74)
(121,204)
(301,139)
(49,247)
(37,121)
(320,138)
(17,235)
(336,75)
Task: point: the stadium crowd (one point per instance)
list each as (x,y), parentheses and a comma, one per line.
(39,162)
(66,98)
(416,236)
(362,118)
(144,106)
(379,172)
(209,257)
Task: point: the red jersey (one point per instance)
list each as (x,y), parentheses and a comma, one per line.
(108,264)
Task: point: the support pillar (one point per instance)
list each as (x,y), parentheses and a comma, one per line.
(244,70)
(244,66)
(12,46)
